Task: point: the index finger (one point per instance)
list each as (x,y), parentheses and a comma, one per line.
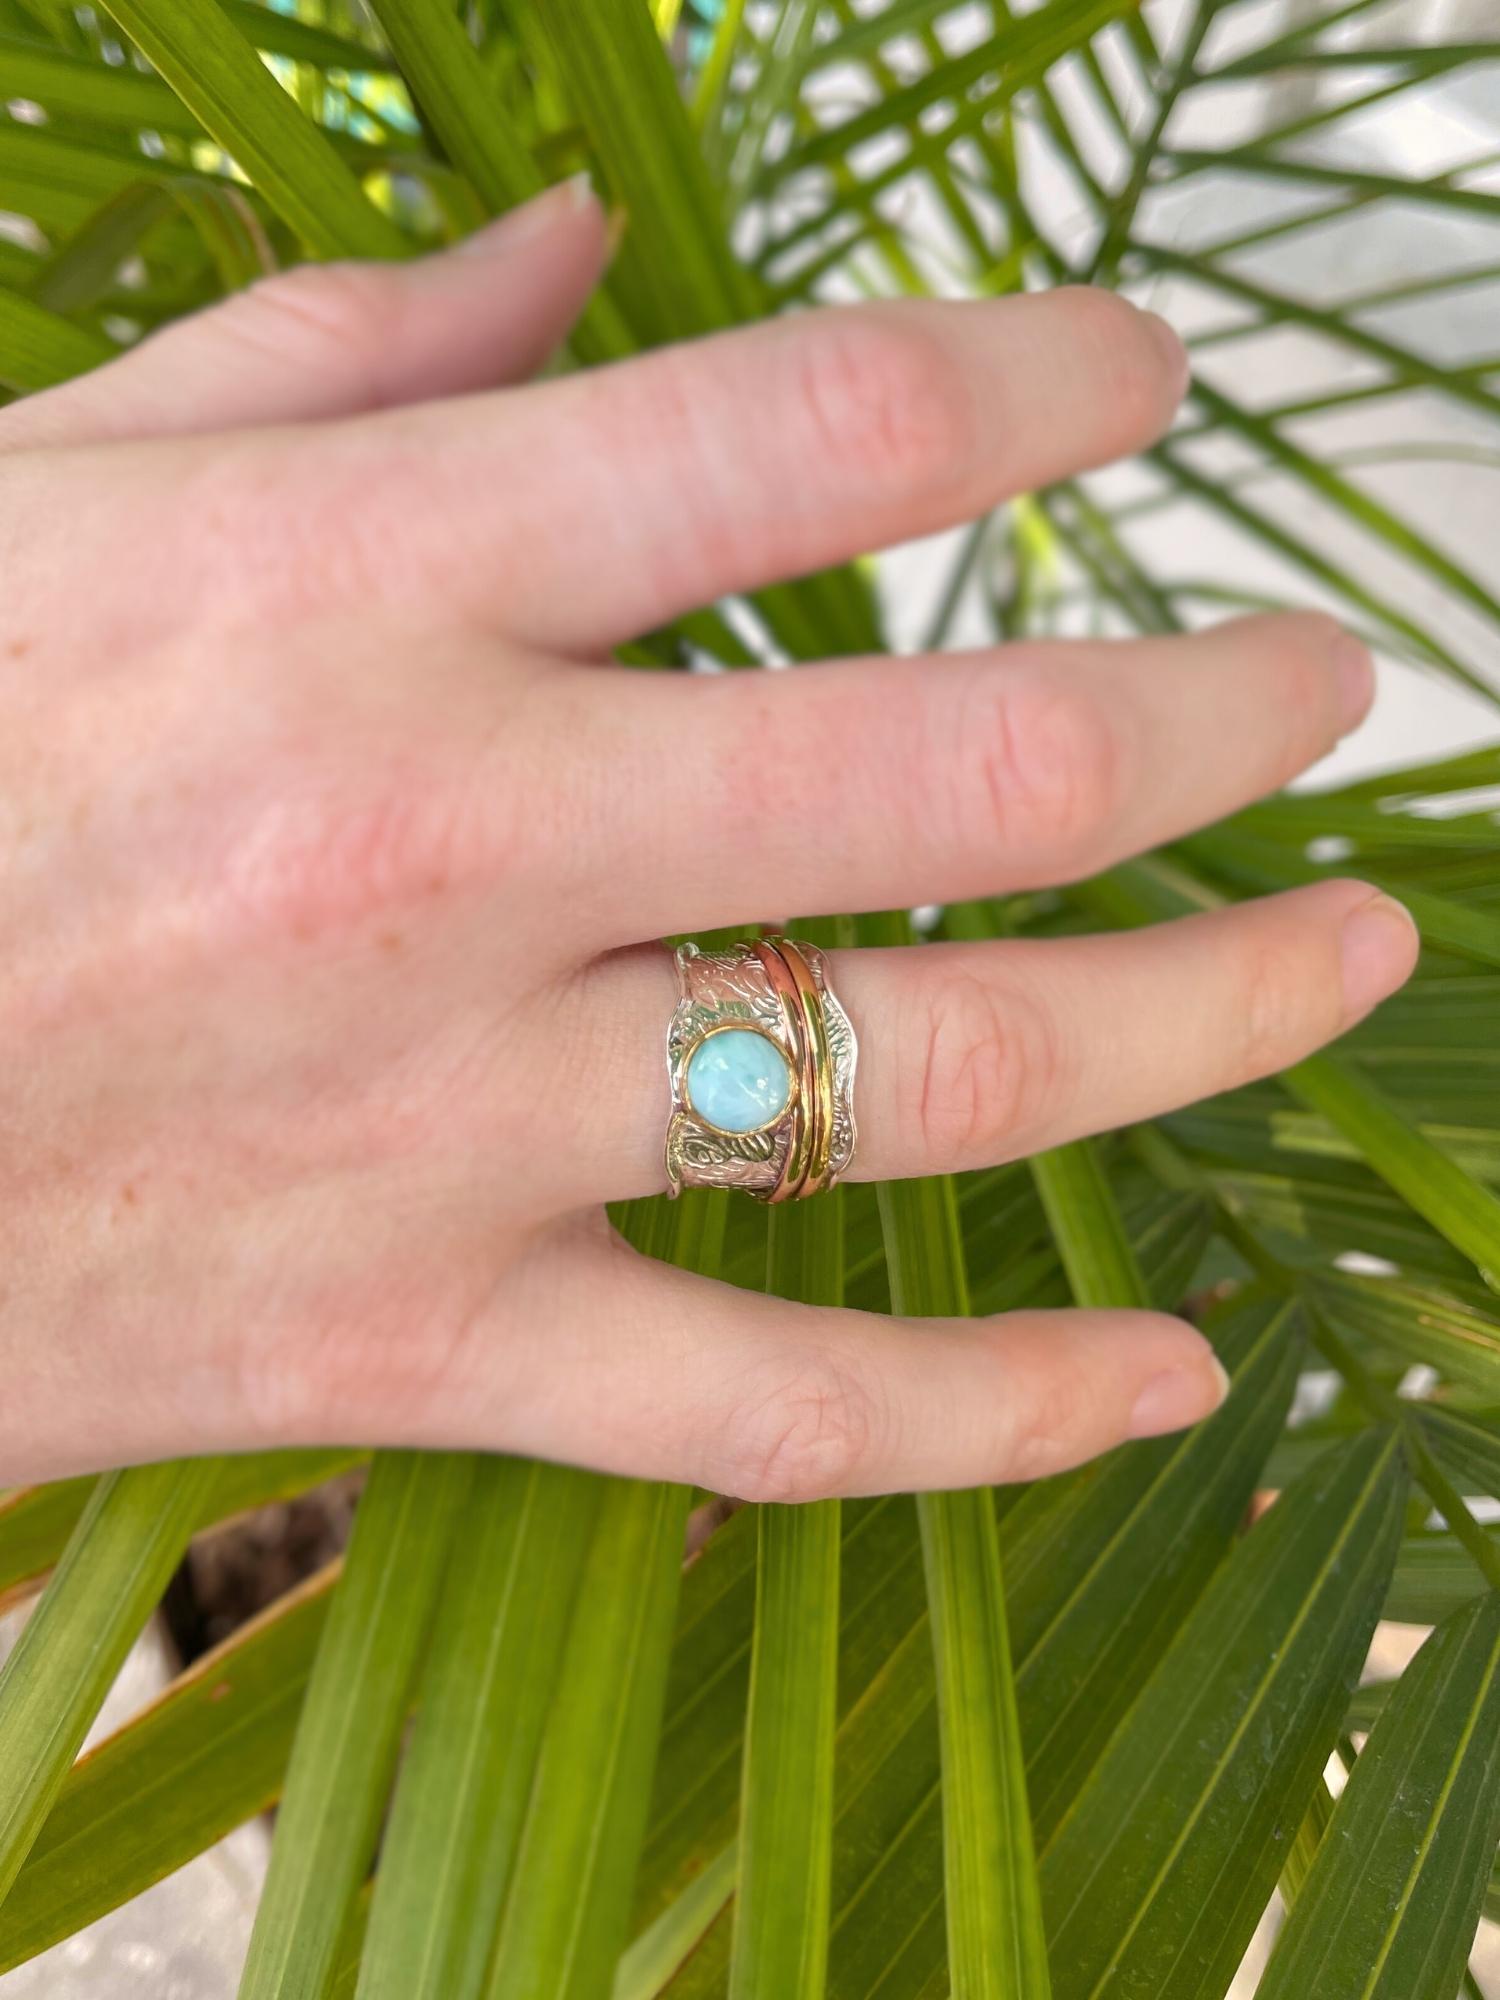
(577,513)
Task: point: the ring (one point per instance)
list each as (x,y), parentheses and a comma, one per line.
(761,1058)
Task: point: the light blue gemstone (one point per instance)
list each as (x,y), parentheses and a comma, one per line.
(738,1080)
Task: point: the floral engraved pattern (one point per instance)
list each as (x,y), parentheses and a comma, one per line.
(841,1052)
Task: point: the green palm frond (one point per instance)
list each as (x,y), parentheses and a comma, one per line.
(1066,1739)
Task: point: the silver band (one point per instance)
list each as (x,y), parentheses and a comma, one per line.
(777,989)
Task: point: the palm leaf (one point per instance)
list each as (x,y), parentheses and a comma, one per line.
(786,1796)
(219,77)
(1160,1869)
(127,1543)
(36,1521)
(868,1718)
(994,1918)
(497,1638)
(567,1908)
(208,1755)
(39,347)
(1394,1890)
(351,1721)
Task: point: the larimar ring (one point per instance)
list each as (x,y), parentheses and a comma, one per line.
(761,1058)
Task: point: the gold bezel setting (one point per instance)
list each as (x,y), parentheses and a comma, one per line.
(745,1131)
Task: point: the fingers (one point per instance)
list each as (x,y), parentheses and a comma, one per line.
(997,1052)
(862,784)
(974,1054)
(570,514)
(580,512)
(325,340)
(594,1355)
(575,1348)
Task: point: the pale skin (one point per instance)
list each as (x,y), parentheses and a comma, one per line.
(335,847)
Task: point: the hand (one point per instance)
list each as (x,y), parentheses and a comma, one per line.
(331,842)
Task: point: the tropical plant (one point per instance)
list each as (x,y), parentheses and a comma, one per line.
(1071,1738)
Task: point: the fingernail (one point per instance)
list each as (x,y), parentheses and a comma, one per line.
(1356,680)
(1180,1397)
(1173,353)
(520,225)
(1379,949)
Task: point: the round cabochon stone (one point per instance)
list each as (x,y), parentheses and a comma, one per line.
(738,1080)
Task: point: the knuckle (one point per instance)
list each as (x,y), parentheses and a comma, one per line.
(375,1353)
(883,398)
(1044,1442)
(311,867)
(808,1438)
(283,527)
(989,1065)
(1286,1007)
(329,1365)
(1304,704)
(286,1388)
(1068,1418)
(1050,768)
(343,310)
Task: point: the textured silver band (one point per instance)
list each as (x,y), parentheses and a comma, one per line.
(792,1004)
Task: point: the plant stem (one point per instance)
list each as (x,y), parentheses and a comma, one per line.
(1116,237)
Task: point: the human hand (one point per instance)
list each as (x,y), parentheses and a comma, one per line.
(331,842)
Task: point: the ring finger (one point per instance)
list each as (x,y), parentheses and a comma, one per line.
(971,1054)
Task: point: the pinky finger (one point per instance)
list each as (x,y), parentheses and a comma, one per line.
(608,1359)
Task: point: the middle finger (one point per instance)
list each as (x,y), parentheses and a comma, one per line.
(860,785)
(575,513)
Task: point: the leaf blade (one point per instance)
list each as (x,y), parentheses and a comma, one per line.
(1394,1893)
(39,347)
(349,1729)
(112,1574)
(207,1755)
(221,79)
(780,1949)
(567,1907)
(461,1798)
(995,1940)
(1229,1735)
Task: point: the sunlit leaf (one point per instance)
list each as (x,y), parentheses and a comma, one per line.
(217,74)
